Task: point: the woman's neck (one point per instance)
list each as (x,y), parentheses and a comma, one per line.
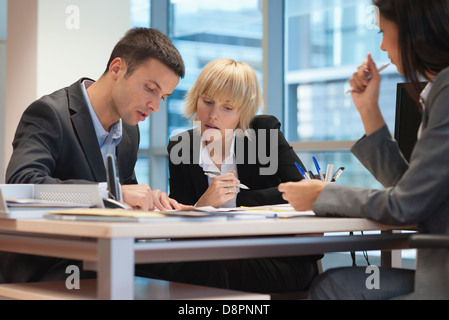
(219,150)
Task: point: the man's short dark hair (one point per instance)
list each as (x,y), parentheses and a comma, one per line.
(140,44)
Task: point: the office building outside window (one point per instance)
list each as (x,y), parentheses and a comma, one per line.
(324,41)
(203,30)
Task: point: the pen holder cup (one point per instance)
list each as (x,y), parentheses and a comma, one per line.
(324,178)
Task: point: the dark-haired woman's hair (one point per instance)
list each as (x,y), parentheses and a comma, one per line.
(423,35)
(140,44)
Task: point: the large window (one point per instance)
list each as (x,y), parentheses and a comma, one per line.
(205,30)
(140,17)
(324,42)
(202,30)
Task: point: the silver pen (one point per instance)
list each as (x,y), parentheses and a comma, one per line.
(382,67)
(213,175)
(337,174)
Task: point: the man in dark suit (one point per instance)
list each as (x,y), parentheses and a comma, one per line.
(64,137)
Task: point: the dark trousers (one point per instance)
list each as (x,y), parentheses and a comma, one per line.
(270,275)
(350,283)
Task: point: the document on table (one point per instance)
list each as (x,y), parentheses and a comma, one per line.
(34,208)
(267,211)
(121,215)
(39,203)
(190,214)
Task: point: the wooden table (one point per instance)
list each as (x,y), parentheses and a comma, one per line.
(113,248)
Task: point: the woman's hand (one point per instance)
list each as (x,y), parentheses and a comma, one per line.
(365,84)
(222,189)
(303,194)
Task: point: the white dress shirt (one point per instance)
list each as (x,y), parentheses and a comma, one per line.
(229,164)
(422,100)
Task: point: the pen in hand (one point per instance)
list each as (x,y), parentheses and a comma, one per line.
(214,175)
(378,70)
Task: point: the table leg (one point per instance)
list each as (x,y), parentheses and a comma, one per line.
(115,273)
(391,258)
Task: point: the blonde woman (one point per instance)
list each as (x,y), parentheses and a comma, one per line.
(237,147)
(230,142)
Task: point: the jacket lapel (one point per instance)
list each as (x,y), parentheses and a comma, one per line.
(245,170)
(200,179)
(84,128)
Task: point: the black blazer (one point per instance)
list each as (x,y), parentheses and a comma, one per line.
(188,182)
(55,142)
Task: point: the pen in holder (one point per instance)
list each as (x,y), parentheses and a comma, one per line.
(329,172)
(302,172)
(337,174)
(328,177)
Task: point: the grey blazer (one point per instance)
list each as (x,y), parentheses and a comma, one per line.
(414,193)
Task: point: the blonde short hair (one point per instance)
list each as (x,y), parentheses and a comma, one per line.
(227,80)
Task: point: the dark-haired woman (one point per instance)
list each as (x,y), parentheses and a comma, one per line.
(416,37)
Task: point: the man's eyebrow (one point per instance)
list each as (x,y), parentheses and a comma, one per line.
(155,83)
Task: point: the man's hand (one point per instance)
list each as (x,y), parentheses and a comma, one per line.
(141,197)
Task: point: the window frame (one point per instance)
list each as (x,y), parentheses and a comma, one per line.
(278,90)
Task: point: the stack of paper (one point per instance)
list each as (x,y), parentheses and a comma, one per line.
(189,214)
(34,208)
(267,211)
(121,215)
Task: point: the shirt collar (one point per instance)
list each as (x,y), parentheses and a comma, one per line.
(423,100)
(206,162)
(115,134)
(425,94)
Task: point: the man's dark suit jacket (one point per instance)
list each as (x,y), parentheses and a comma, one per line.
(55,142)
(188,182)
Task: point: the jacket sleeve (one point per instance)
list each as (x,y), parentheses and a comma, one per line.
(127,152)
(387,164)
(36,147)
(414,194)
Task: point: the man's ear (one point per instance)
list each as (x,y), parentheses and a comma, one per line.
(116,66)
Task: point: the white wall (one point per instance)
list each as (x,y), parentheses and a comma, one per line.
(75,39)
(53,43)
